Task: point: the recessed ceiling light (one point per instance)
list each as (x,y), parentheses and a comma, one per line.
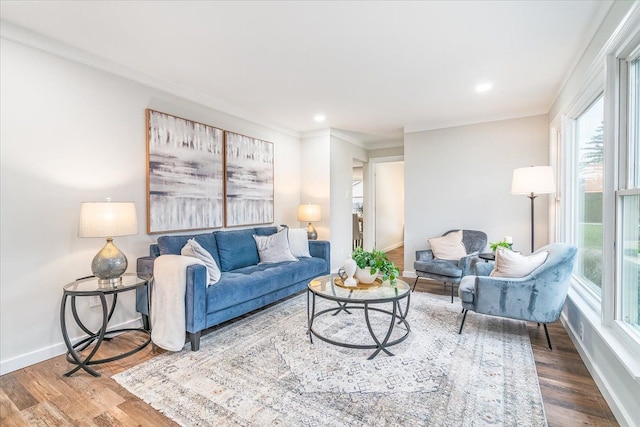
(483,87)
(319,118)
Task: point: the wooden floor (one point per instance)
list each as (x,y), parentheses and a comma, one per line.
(40,395)
(570,396)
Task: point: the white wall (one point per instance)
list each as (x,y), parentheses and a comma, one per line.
(71,133)
(342,155)
(461,178)
(315,171)
(389,201)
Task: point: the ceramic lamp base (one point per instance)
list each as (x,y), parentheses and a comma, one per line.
(109,264)
(312,234)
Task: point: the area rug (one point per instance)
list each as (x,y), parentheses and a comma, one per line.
(263,371)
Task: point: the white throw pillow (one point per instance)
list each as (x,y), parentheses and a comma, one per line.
(195,250)
(274,248)
(511,264)
(449,246)
(299,242)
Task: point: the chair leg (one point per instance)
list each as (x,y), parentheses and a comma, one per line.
(415,283)
(546,331)
(464,317)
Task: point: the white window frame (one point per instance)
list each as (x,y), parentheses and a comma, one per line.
(619,64)
(570,151)
(604,76)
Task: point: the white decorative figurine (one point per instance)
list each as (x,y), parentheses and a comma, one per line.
(350,269)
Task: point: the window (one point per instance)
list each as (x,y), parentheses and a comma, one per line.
(630,260)
(629,206)
(634,124)
(598,159)
(588,184)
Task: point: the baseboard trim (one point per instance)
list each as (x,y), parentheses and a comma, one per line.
(409,273)
(392,247)
(601,382)
(46,353)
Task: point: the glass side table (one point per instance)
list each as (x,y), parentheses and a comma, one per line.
(88,287)
(487,256)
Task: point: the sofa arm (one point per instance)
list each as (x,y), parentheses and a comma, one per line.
(196,298)
(144,270)
(321,249)
(424,255)
(144,267)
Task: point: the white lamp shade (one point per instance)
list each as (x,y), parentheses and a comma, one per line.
(533,179)
(107,219)
(309,213)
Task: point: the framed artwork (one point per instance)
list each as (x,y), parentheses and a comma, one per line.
(249,180)
(185,179)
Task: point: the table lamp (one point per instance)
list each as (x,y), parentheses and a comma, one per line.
(533,180)
(309,213)
(108,219)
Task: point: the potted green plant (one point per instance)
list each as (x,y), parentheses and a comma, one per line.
(377,263)
(501,243)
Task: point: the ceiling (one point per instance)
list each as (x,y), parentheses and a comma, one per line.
(373,69)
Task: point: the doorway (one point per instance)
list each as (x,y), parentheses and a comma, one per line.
(357,205)
(388,203)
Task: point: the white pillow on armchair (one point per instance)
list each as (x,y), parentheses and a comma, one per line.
(512,264)
(448,247)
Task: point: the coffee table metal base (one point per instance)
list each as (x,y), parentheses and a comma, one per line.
(396,316)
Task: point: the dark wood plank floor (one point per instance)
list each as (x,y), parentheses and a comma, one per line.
(570,396)
(40,395)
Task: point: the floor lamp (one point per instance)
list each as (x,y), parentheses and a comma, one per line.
(533,181)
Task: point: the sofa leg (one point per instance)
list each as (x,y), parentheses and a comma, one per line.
(452,293)
(464,317)
(546,331)
(194,337)
(415,283)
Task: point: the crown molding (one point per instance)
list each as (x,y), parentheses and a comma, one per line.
(21,35)
(461,123)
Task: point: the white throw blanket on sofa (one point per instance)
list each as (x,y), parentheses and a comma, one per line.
(168,322)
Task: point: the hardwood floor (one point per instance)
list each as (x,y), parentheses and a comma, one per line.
(40,395)
(570,396)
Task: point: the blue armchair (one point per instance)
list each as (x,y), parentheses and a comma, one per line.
(447,271)
(537,297)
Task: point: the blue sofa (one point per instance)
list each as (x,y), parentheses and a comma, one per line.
(243,286)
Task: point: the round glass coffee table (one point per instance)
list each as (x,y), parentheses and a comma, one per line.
(367,298)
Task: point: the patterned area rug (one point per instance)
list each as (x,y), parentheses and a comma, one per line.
(263,371)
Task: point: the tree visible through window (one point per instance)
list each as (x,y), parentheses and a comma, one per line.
(588,213)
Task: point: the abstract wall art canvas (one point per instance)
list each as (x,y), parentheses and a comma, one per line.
(185,174)
(249,180)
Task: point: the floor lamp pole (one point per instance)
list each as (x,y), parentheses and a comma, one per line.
(532,197)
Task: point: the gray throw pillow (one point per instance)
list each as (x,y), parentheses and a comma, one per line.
(274,248)
(193,249)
